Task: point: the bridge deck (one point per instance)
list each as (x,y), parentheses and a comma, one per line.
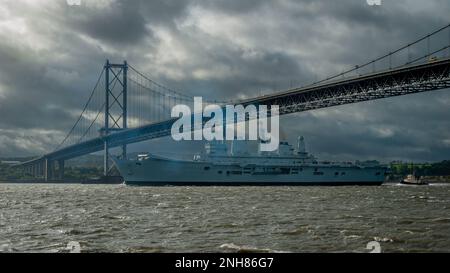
(400,81)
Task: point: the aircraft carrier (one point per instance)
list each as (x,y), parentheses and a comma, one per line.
(218,166)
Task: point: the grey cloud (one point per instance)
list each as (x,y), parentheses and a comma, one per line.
(233,7)
(267,72)
(121,23)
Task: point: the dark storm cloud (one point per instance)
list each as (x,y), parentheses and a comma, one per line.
(120,23)
(163,12)
(51,54)
(260,74)
(24,83)
(233,7)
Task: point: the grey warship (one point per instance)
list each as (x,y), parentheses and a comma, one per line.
(218,166)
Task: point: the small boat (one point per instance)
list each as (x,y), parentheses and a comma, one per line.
(413,180)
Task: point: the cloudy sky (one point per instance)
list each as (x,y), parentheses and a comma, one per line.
(51,54)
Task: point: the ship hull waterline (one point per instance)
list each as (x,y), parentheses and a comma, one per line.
(249,184)
(161,172)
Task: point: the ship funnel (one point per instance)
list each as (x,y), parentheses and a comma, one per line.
(301,149)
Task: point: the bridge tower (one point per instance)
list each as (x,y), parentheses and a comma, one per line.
(115,108)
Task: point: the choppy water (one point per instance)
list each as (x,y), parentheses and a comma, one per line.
(118,218)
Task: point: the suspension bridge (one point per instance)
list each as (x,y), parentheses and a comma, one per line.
(126,106)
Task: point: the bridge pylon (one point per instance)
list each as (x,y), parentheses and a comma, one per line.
(116,84)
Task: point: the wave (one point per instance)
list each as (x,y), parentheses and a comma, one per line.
(248,249)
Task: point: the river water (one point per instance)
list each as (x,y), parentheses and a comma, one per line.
(119,218)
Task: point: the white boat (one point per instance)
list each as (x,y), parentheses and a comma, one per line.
(411,179)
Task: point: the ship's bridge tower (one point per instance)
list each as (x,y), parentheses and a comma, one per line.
(285,149)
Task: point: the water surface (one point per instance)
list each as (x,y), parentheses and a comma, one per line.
(119,218)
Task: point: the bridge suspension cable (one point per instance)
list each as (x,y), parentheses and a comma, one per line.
(80,117)
(144,108)
(159,85)
(390,55)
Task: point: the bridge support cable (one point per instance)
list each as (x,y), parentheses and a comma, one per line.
(390,58)
(80,117)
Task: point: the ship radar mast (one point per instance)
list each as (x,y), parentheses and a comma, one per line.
(301,148)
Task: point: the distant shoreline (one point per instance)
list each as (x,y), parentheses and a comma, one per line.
(119,180)
(428,178)
(110,180)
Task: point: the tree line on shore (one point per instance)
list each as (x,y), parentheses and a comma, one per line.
(424,169)
(10,173)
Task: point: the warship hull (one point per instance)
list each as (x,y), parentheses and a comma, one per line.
(162,171)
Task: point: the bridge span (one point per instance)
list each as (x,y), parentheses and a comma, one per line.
(422,74)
